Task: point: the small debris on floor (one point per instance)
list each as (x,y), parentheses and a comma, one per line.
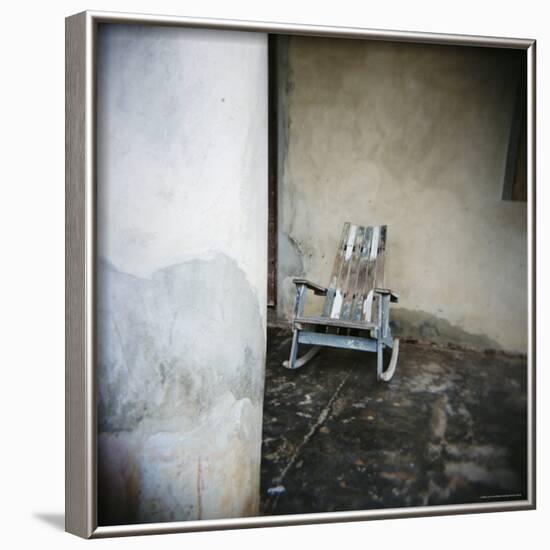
(277,490)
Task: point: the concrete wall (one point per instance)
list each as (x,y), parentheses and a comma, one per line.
(182,217)
(415,137)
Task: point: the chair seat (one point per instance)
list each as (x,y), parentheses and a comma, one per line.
(329,322)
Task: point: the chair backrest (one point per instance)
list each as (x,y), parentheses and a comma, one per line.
(358,269)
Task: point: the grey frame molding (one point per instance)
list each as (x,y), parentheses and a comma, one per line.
(80,211)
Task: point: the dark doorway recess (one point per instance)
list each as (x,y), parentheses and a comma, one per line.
(273,173)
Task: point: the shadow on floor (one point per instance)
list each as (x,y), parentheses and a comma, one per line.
(55,520)
(450,428)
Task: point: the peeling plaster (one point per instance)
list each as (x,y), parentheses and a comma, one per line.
(180,382)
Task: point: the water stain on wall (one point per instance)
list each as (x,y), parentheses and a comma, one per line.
(426,327)
(180,384)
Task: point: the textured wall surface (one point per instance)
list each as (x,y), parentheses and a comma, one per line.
(415,137)
(182,217)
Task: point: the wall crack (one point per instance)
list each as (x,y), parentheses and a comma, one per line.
(321,419)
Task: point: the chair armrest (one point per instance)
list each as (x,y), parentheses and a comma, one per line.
(317,289)
(394,297)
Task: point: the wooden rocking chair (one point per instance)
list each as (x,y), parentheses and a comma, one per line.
(356,309)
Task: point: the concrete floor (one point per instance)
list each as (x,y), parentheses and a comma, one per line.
(449,428)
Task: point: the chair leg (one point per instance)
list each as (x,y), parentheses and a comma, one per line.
(387,375)
(307,357)
(293,362)
(384,331)
(290,364)
(379,357)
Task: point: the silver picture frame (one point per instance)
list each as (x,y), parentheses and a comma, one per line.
(80,400)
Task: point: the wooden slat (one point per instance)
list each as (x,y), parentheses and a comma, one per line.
(378,270)
(327,321)
(350,285)
(341,285)
(357,308)
(368,296)
(338,261)
(358,269)
(337,341)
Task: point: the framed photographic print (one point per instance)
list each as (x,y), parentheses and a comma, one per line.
(300,274)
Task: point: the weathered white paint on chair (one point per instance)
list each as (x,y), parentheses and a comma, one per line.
(351,240)
(336,305)
(367,307)
(374,245)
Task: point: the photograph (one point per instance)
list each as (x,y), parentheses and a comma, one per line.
(299,274)
(274,275)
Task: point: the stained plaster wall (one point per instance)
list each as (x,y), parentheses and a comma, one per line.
(415,137)
(182,217)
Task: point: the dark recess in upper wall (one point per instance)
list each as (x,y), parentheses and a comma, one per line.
(515,174)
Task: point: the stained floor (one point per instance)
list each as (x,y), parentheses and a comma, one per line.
(450,428)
